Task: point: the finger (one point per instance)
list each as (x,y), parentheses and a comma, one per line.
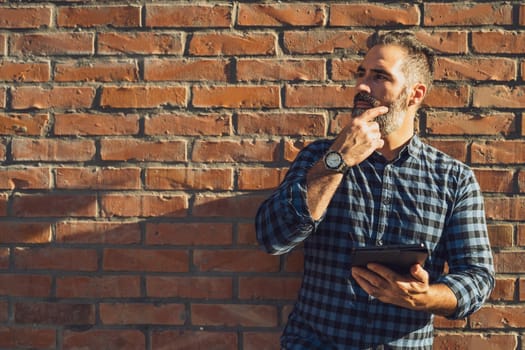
(372,113)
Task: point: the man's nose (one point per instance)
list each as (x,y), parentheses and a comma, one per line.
(362,86)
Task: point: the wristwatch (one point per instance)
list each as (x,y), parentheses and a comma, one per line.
(334,161)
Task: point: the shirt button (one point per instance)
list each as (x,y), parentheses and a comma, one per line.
(379,242)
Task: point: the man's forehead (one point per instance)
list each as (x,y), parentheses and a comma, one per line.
(386,57)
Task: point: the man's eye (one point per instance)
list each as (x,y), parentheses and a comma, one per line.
(380,77)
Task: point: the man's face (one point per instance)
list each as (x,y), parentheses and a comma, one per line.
(381,82)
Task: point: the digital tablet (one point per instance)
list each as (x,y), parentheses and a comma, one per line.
(396,257)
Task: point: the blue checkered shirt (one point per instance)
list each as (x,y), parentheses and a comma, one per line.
(421,196)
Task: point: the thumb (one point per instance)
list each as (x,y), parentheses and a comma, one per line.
(419,273)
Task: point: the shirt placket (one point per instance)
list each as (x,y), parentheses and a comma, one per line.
(385,205)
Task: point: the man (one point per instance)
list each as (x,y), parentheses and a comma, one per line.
(377,183)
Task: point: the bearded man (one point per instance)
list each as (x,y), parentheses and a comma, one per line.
(378,184)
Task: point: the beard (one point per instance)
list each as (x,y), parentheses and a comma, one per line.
(391,120)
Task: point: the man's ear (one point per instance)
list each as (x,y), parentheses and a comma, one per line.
(419,92)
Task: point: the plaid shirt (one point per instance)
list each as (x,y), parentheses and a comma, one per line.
(421,196)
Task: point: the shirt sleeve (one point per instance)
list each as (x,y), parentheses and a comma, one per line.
(283,221)
(471,269)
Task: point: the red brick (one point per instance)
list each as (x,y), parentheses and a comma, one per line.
(143,205)
(25,232)
(509,262)
(498,96)
(189,179)
(502,69)
(65,259)
(96,124)
(52,150)
(5,254)
(50,205)
(26,72)
(322,96)
(457,123)
(495,180)
(282,69)
(100,71)
(188,340)
(522,289)
(25,17)
(246,234)
(344,69)
(27,338)
(129,339)
(25,178)
(475,341)
(502,152)
(189,125)
(453,42)
(142,313)
(208,288)
(521,181)
(25,97)
(447,96)
(342,15)
(506,42)
(189,234)
(501,235)
(98,287)
(281,15)
(236,96)
(233,315)
(186,70)
(93,16)
(235,151)
(3,92)
(324,42)
(278,288)
(142,150)
(18,285)
(98,178)
(134,260)
(142,96)
(298,124)
(454,148)
(98,232)
(261,341)
(505,208)
(504,290)
(238,260)
(141,43)
(23,124)
(227,206)
(499,317)
(187,15)
(441,322)
(292,148)
(521,235)
(3,204)
(54,313)
(216,44)
(294,261)
(260,178)
(49,44)
(468,14)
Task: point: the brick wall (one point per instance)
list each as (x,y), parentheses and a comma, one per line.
(138,139)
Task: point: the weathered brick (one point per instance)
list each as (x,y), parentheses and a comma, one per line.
(24,124)
(64,259)
(451,42)
(504,290)
(499,317)
(25,97)
(98,178)
(321,96)
(25,178)
(456,123)
(142,313)
(95,232)
(27,72)
(280,15)
(12,337)
(188,339)
(187,70)
(495,180)
(454,148)
(498,152)
(260,340)
(260,178)
(25,232)
(236,96)
(505,208)
(150,260)
(141,43)
(502,69)
(215,44)
(238,260)
(189,15)
(25,17)
(498,96)
(437,14)
(98,287)
(101,71)
(521,236)
(143,205)
(54,205)
(474,341)
(189,287)
(129,339)
(281,288)
(54,313)
(324,42)
(521,181)
(189,179)
(18,285)
(216,124)
(298,124)
(189,234)
(234,315)
(500,41)
(96,124)
(344,69)
(100,15)
(142,150)
(235,151)
(277,70)
(446,96)
(50,44)
(373,15)
(226,206)
(143,96)
(52,150)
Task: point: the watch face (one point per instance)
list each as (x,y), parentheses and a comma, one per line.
(333,160)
